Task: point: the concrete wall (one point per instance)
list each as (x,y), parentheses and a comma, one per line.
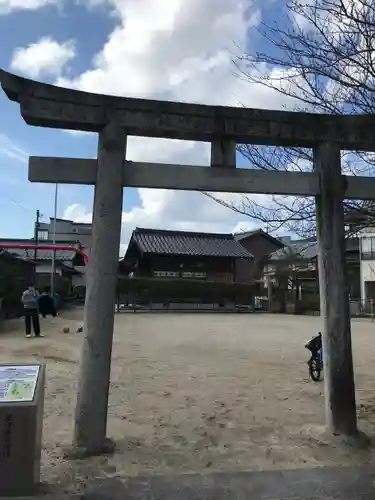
(367,266)
(79,280)
(76,279)
(367,274)
(46,269)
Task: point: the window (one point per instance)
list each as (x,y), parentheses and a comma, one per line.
(368,248)
(172,274)
(164,274)
(366,245)
(160,274)
(187,275)
(43,235)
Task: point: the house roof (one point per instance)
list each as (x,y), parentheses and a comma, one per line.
(300,249)
(187,243)
(44,255)
(74,223)
(247,234)
(308,249)
(28,254)
(7,254)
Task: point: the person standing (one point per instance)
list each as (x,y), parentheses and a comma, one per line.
(29,300)
(47,304)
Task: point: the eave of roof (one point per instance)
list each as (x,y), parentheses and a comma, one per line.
(308,249)
(42,255)
(297,249)
(31,241)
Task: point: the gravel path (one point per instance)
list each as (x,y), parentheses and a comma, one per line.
(196,392)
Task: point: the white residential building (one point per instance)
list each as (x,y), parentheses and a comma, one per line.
(367,262)
(68,232)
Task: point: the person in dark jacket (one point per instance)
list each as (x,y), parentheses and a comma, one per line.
(47,304)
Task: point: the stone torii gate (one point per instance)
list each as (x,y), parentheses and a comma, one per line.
(114,118)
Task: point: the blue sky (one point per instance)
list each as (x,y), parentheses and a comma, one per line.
(173,49)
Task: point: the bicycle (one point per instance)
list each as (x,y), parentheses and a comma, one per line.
(315,363)
(316,367)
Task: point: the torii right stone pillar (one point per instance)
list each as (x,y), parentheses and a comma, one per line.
(95,369)
(339,388)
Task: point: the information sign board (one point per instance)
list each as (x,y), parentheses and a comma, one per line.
(18,383)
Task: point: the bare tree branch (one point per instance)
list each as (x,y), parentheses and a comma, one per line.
(323,62)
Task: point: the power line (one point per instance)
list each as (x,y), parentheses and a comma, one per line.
(28,209)
(21,206)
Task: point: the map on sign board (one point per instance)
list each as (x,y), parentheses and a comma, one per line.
(18,382)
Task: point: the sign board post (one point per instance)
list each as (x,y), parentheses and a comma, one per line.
(21,424)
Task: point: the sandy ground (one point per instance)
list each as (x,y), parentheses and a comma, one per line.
(195,392)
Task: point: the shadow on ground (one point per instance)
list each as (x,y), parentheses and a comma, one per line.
(308,484)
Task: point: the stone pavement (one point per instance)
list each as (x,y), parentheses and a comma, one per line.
(325,483)
(306,484)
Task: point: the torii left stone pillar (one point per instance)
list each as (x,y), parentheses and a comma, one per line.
(93,388)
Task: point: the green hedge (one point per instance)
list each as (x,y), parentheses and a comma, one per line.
(146,290)
(310,302)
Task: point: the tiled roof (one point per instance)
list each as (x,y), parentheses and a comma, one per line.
(28,254)
(188,243)
(308,249)
(6,253)
(298,249)
(246,234)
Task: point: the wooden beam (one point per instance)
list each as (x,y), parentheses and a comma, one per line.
(189,178)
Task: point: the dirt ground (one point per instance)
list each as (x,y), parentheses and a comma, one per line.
(196,392)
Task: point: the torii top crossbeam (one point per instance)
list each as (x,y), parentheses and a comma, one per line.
(50,106)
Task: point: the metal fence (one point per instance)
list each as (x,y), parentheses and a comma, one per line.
(362,308)
(358,308)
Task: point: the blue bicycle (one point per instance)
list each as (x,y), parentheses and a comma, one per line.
(315,363)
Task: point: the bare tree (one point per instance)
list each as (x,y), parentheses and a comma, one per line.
(323,62)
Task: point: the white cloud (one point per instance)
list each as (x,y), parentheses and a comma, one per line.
(11,150)
(155,211)
(45,57)
(7,6)
(182,51)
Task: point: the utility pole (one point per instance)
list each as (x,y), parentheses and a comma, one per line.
(36,238)
(53,266)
